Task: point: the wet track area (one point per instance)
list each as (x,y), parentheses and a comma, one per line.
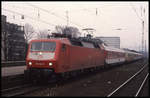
(103,82)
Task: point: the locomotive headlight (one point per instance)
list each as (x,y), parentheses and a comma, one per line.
(50,64)
(40,53)
(30,63)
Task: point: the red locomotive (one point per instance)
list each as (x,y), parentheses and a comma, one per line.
(61,56)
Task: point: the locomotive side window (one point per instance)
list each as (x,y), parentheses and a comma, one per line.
(63,47)
(96,45)
(43,46)
(88,45)
(76,43)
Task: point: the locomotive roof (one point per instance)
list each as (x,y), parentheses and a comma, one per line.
(48,39)
(81,39)
(64,40)
(93,43)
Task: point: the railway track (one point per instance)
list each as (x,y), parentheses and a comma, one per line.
(125,88)
(12,81)
(138,92)
(27,88)
(19,90)
(9,90)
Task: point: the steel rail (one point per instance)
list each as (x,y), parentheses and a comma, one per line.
(24,90)
(14,88)
(141,86)
(20,91)
(126,81)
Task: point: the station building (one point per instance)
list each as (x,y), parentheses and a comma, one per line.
(13,45)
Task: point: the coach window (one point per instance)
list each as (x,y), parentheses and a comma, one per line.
(63,47)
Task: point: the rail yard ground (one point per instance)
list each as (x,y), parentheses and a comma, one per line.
(99,83)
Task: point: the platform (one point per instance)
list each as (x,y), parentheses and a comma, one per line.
(10,71)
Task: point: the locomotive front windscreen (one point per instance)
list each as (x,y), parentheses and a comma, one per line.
(43,46)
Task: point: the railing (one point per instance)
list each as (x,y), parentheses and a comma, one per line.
(13,63)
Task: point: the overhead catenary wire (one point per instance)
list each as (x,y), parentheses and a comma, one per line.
(28,17)
(143,23)
(52,13)
(135,11)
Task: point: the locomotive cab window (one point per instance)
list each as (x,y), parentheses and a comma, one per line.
(43,46)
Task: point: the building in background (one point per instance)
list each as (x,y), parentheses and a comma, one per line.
(3,25)
(13,45)
(111,41)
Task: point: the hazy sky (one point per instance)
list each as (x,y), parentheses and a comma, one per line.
(110,16)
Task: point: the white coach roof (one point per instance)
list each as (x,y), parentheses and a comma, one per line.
(108,48)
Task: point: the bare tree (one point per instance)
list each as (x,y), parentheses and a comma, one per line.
(59,29)
(29,32)
(73,31)
(42,34)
